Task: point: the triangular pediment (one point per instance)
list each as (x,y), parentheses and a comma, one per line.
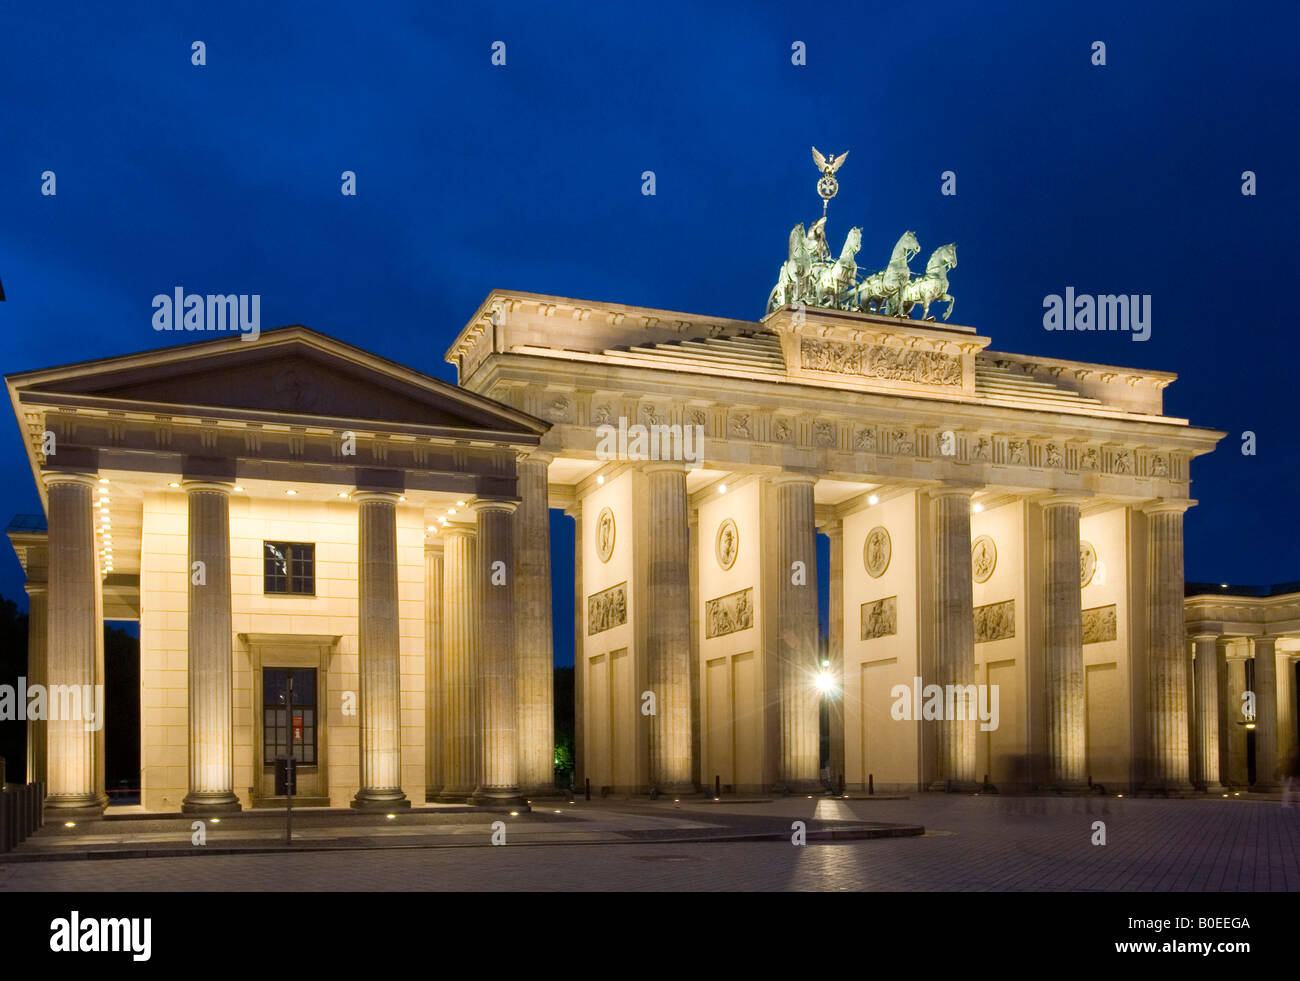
(288,372)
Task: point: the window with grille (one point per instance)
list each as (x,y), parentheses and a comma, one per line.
(289,720)
(289,567)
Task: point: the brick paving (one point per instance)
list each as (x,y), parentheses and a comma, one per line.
(971,844)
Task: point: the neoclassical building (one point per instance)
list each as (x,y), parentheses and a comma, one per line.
(1246,641)
(1007,528)
(332,555)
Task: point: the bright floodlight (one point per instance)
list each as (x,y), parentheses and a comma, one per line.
(825,682)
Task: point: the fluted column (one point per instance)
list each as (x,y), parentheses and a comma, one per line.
(379,650)
(1167,709)
(433,722)
(212,750)
(668,642)
(579,653)
(1205,757)
(954,622)
(1286,720)
(457,679)
(1238,764)
(835,652)
(799,758)
(1265,714)
(37,653)
(75,656)
(533,629)
(693,567)
(498,697)
(1063,646)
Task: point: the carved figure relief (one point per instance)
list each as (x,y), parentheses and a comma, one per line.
(1087,563)
(728,614)
(881,361)
(607,609)
(880,618)
(996,621)
(727,544)
(983,558)
(605,534)
(876,551)
(1099,624)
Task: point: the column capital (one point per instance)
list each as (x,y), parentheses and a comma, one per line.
(535,456)
(51,477)
(376,497)
(781,479)
(36,588)
(663,466)
(1057,500)
(212,486)
(483,504)
(954,489)
(1204,637)
(1165,505)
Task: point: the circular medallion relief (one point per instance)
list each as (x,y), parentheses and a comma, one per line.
(1087,563)
(876,551)
(983,558)
(727,544)
(605,534)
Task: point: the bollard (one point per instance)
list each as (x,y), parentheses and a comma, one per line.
(7,816)
(589,788)
(717,785)
(841,785)
(871,783)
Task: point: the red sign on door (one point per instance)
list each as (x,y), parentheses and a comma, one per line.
(297,728)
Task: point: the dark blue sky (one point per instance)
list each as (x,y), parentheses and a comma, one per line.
(225,178)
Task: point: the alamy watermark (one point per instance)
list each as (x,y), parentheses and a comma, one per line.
(946,702)
(1109,311)
(656,441)
(57,703)
(234,312)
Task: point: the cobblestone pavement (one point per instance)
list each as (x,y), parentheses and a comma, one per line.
(971,844)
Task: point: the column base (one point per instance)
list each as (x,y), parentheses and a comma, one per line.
(75,805)
(543,791)
(496,797)
(379,800)
(210,802)
(453,796)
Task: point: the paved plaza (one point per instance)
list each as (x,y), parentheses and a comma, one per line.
(980,843)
